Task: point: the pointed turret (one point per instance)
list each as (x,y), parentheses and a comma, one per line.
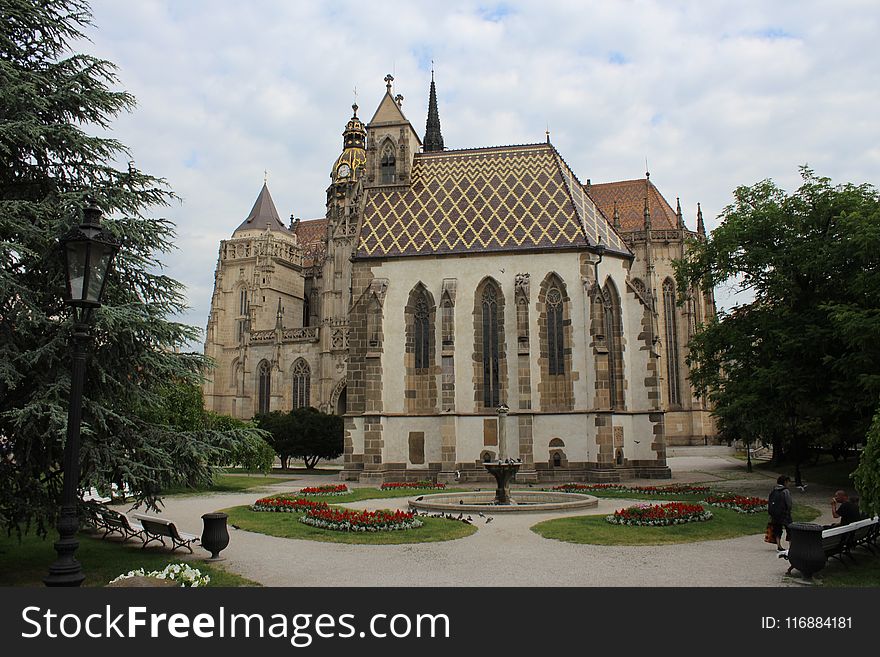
(701,227)
(647,214)
(616,216)
(433,140)
(678,216)
(279,316)
(263,216)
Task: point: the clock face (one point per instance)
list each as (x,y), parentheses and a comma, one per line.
(343,171)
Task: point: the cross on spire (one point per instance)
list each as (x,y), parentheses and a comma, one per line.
(388,80)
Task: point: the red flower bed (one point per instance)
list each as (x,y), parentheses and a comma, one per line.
(739,503)
(288,505)
(672,489)
(655,515)
(411,484)
(347,520)
(328,489)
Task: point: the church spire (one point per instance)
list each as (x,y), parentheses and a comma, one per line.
(433,140)
(701,227)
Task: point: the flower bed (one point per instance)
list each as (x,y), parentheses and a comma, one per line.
(183,573)
(672,489)
(328,489)
(287,505)
(738,503)
(346,520)
(657,515)
(412,484)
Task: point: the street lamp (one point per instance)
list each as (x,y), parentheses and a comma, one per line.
(88,252)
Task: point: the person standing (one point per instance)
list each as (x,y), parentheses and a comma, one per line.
(779,507)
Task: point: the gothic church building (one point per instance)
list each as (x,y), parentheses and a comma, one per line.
(445,283)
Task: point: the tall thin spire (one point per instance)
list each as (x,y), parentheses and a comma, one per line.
(678,216)
(433,140)
(701,227)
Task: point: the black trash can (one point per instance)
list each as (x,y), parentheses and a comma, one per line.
(215,535)
(805,553)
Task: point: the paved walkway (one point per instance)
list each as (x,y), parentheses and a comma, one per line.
(505,552)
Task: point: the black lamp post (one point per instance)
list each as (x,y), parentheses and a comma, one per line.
(88,252)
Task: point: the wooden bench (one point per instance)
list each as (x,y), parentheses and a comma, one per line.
(114,522)
(810,549)
(158,529)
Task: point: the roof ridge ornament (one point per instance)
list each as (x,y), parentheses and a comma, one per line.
(388,80)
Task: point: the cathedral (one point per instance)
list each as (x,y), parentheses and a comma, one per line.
(452,297)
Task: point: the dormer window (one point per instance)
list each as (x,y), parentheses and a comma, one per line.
(387,165)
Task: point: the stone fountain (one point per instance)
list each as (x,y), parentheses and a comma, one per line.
(504,469)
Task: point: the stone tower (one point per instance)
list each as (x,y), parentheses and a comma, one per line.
(258,287)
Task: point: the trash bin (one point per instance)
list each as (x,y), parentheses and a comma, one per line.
(215,535)
(806,553)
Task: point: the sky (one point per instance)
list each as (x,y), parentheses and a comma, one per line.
(712,95)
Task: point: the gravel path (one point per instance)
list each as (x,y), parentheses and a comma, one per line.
(505,551)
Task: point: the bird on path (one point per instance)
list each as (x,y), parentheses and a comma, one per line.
(469,519)
(461,501)
(234,526)
(489,519)
(420,498)
(480,513)
(458,474)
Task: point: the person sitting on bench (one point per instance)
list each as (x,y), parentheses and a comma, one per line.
(845,508)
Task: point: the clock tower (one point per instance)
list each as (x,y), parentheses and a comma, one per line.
(343,209)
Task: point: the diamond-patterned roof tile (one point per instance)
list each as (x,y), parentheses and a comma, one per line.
(494,199)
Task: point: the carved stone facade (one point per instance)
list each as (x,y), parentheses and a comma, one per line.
(441,284)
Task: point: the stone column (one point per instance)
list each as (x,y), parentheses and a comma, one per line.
(502,431)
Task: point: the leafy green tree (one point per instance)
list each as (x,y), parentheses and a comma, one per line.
(52,101)
(799,365)
(304,433)
(867,475)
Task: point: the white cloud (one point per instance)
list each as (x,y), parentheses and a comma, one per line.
(715,95)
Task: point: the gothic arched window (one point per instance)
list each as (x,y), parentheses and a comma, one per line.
(422,334)
(264,374)
(447,322)
(302,376)
(614,339)
(387,165)
(374,323)
(522,320)
(672,375)
(491,384)
(555,335)
(242,312)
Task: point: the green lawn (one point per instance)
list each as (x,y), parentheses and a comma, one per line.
(230,483)
(287,525)
(865,572)
(827,472)
(725,523)
(27,563)
(358,494)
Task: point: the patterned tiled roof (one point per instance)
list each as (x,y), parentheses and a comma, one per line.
(510,198)
(630,196)
(311,236)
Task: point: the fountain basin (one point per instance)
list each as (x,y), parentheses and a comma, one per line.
(526,501)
